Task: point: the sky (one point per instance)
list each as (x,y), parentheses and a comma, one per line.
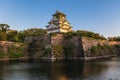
(99,16)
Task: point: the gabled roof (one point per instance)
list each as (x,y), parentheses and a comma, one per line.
(58,12)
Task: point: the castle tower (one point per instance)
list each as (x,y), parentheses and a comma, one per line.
(59,24)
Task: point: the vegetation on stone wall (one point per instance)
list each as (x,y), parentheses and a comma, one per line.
(117,48)
(34,48)
(38,47)
(16,51)
(69,49)
(2,54)
(69,35)
(104,50)
(57,51)
(95,49)
(47,51)
(53,34)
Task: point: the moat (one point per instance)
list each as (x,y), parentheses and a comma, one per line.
(102,69)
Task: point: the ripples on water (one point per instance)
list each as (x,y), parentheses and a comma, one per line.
(103,69)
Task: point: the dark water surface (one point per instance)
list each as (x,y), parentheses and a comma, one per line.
(102,69)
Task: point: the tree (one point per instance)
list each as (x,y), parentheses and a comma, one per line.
(15,36)
(20,37)
(11,35)
(4,27)
(115,38)
(90,34)
(3,36)
(34,32)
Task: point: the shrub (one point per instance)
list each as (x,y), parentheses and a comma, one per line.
(58,51)
(90,34)
(47,51)
(117,46)
(15,51)
(69,49)
(106,46)
(94,49)
(2,54)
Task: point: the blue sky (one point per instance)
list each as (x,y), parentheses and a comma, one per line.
(100,16)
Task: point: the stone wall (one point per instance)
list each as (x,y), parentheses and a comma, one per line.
(96,47)
(73,47)
(12,50)
(63,47)
(57,39)
(4,45)
(57,46)
(38,46)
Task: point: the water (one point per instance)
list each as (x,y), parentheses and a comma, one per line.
(103,69)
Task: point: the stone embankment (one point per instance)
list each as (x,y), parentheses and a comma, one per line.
(12,50)
(58,46)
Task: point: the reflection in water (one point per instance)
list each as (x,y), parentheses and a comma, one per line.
(62,70)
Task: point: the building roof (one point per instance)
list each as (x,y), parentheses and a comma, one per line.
(58,12)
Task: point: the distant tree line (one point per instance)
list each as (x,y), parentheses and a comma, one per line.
(7,34)
(83,33)
(116,38)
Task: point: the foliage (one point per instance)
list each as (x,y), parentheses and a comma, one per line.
(47,51)
(114,38)
(82,33)
(98,48)
(3,36)
(105,47)
(20,37)
(2,54)
(58,50)
(117,47)
(11,35)
(34,32)
(53,34)
(90,34)
(4,27)
(15,36)
(36,47)
(16,51)
(69,49)
(95,49)
(70,35)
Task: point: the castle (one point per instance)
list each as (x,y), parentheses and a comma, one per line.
(59,24)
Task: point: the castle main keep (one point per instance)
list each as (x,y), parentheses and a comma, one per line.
(59,24)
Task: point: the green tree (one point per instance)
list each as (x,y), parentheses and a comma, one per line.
(115,38)
(34,32)
(90,34)
(11,35)
(16,36)
(21,36)
(3,36)
(4,27)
